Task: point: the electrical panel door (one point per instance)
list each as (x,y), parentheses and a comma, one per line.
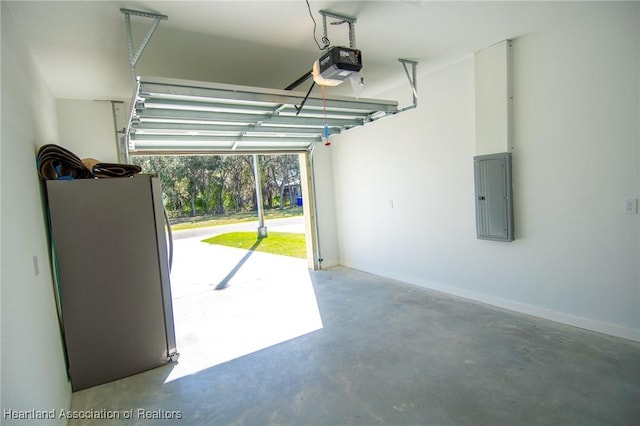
(494,200)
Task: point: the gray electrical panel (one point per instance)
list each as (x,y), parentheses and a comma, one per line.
(494,197)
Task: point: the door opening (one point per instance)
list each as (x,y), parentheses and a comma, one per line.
(229,300)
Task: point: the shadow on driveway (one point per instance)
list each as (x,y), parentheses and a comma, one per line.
(225,281)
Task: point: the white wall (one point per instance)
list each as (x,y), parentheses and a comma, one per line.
(404,185)
(325,206)
(87,129)
(33,366)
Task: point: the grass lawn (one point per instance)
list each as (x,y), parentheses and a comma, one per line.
(282,243)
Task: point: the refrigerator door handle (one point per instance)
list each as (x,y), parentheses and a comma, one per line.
(169,236)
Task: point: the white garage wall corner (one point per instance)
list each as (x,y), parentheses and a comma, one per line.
(33,367)
(325,206)
(404,185)
(87,129)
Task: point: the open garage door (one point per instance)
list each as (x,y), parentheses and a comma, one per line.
(182,116)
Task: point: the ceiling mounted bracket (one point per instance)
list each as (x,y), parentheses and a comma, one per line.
(133,58)
(413,82)
(341,19)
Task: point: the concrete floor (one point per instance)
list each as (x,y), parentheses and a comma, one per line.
(391,353)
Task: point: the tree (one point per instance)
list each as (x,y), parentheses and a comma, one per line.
(213,184)
(239,183)
(281,171)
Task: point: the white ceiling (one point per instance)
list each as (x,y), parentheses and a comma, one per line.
(81,51)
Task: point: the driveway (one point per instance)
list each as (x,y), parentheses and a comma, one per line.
(288,224)
(265,299)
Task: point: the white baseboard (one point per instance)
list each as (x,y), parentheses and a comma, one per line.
(512,305)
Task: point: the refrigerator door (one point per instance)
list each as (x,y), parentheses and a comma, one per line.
(165,267)
(113,278)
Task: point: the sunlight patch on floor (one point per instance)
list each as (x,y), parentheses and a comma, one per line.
(267,300)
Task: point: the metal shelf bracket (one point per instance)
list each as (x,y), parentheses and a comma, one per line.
(133,58)
(413,82)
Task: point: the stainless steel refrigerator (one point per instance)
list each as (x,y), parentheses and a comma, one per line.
(111,260)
